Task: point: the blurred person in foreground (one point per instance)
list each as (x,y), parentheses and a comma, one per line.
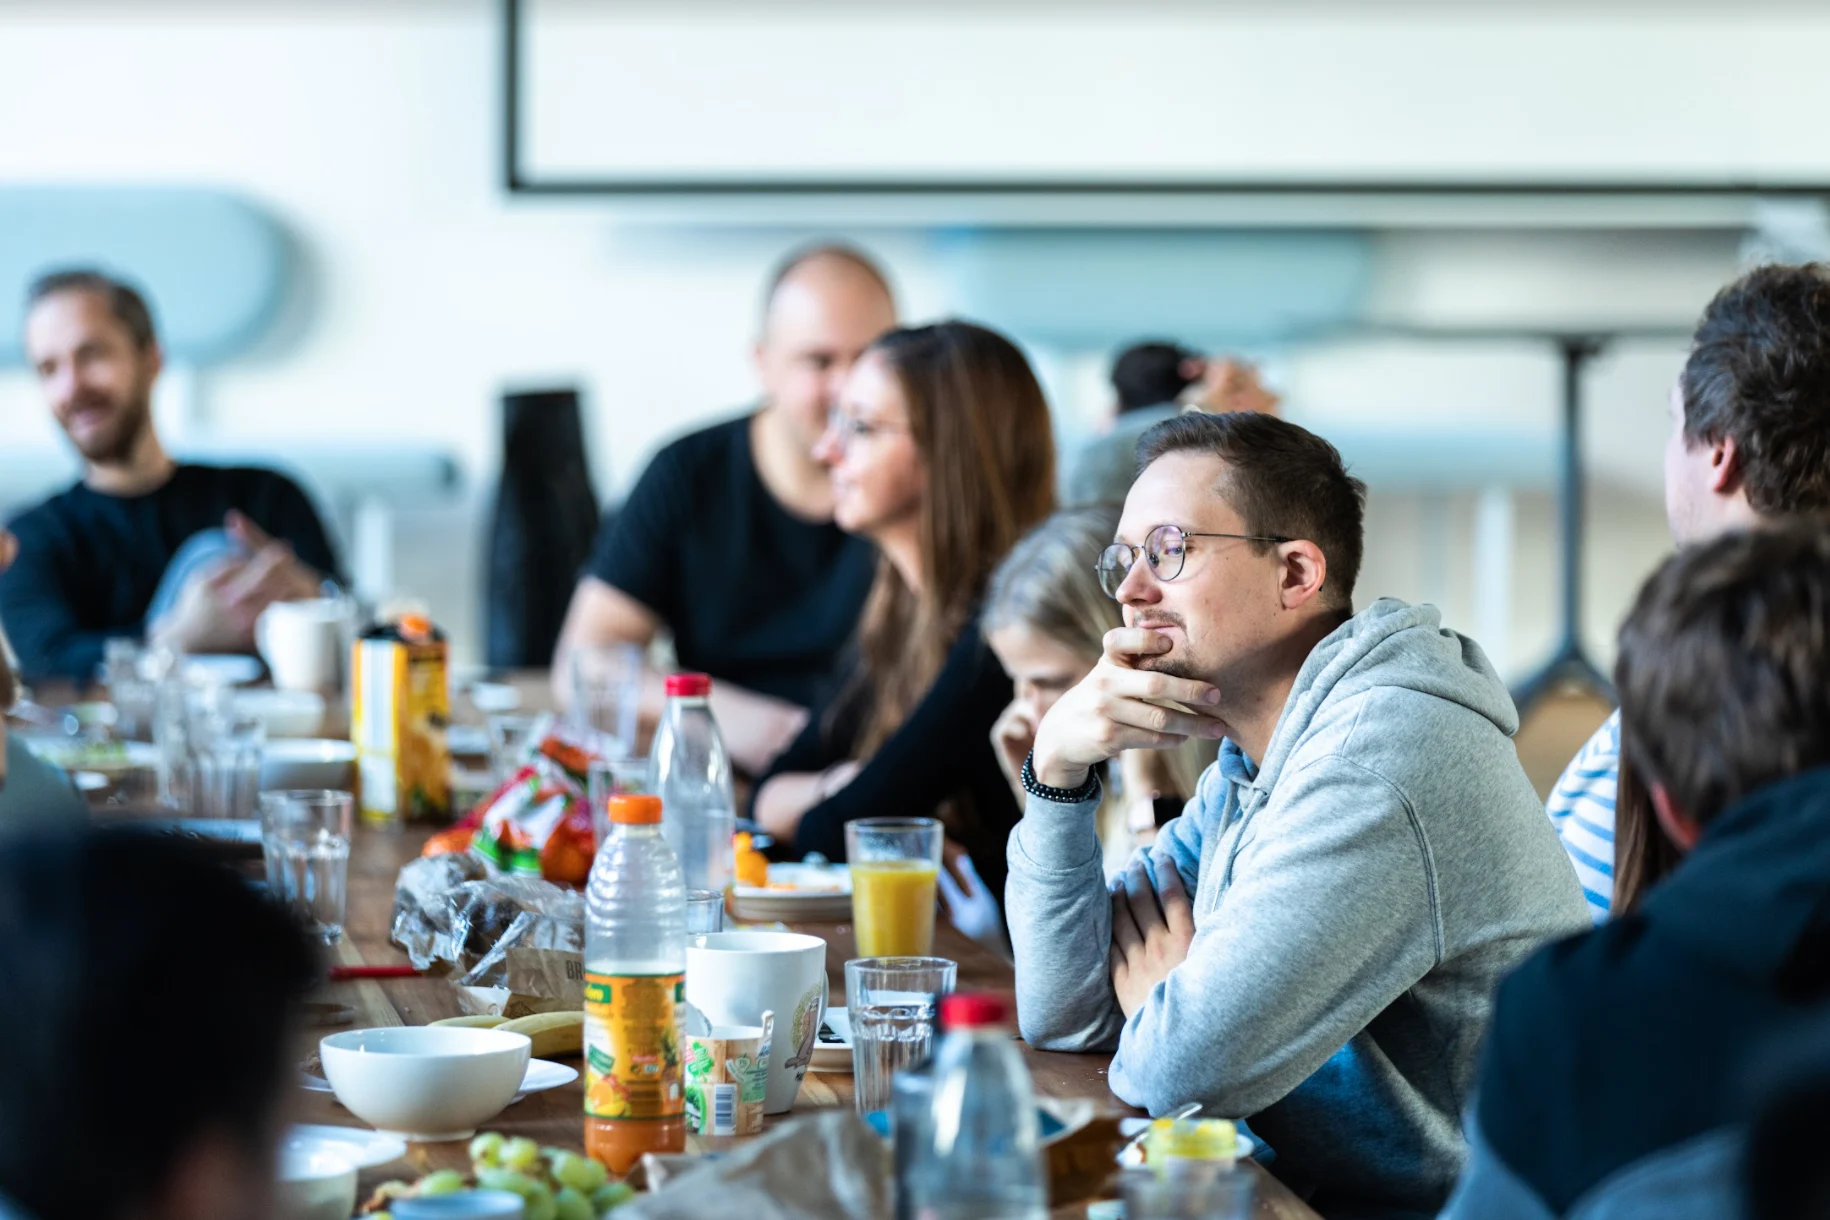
(1155,381)
(1314,943)
(93,929)
(1749,443)
(182,554)
(727,541)
(1616,1074)
(31,790)
(941,456)
(1046,618)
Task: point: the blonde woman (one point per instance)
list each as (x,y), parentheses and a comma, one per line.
(1045,618)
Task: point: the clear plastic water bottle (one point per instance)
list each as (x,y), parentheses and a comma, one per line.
(981,1158)
(691,773)
(635,990)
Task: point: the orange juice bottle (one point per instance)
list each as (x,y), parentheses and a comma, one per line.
(635,991)
(400,704)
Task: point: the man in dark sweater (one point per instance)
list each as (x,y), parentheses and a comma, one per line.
(1619,1062)
(727,540)
(185,555)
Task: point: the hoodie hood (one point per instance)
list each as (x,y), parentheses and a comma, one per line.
(1388,644)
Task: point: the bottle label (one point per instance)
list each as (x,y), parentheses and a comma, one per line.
(635,1025)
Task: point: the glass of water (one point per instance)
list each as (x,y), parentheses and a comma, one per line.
(606,688)
(704,912)
(511,736)
(305,839)
(890,1003)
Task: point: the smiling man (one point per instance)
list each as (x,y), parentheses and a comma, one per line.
(1314,943)
(186,555)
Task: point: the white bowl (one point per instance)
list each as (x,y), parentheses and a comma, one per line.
(316,1186)
(313,762)
(285,713)
(424,1082)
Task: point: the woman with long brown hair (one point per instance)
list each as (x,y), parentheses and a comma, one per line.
(941,454)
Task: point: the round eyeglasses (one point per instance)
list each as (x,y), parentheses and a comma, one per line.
(1166,549)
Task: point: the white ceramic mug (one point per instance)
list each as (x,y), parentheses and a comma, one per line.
(733,977)
(302,643)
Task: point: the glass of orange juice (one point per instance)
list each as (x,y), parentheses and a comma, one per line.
(895,863)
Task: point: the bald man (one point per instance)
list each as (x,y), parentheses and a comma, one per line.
(727,540)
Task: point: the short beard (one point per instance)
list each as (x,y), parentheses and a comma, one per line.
(117,446)
(1174,667)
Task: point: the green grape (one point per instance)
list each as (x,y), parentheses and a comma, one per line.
(611,1195)
(441,1182)
(581,1173)
(486,1149)
(572,1205)
(508,1179)
(539,1205)
(521,1154)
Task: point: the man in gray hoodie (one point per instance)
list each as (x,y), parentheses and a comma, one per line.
(1315,942)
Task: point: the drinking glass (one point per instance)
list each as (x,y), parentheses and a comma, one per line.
(305,839)
(890,1003)
(895,863)
(209,751)
(606,778)
(606,688)
(1192,1192)
(704,911)
(509,734)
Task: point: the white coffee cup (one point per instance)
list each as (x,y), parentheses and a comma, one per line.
(302,643)
(734,977)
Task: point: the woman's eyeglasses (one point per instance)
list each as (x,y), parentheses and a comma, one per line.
(1166,549)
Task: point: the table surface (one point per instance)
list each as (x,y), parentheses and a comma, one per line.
(555,1117)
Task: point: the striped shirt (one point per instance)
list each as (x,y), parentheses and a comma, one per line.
(1581,807)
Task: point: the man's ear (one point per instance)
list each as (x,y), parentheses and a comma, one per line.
(1725,473)
(1677,825)
(1302,569)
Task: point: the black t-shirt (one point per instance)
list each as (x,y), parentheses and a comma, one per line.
(942,752)
(752,595)
(89,563)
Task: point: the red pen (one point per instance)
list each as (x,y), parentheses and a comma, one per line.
(339,974)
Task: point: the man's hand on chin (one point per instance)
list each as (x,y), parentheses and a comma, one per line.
(1152,927)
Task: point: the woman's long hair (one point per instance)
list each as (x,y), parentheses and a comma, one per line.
(981,426)
(1643,854)
(1047,583)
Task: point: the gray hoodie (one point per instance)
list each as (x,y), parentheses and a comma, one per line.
(1358,895)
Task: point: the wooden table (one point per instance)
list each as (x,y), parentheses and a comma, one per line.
(555,1117)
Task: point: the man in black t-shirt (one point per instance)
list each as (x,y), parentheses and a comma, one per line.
(727,540)
(186,555)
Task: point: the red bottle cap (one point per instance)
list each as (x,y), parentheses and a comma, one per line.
(975,1010)
(691,686)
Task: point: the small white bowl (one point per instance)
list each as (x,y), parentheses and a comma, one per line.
(316,1186)
(314,762)
(284,713)
(423,1082)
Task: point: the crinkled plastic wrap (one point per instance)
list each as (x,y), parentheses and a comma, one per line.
(519,935)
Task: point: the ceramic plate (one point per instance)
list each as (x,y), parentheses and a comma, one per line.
(359,1146)
(832,1050)
(796,891)
(542,1074)
(228,669)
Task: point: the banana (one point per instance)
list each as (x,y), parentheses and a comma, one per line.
(554,1033)
(473,1022)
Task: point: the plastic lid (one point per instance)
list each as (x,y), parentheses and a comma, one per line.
(974,1010)
(1190,1139)
(692,686)
(631,809)
(415,626)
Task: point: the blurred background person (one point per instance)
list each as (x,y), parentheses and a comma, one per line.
(727,541)
(183,554)
(941,455)
(1154,381)
(1749,443)
(1046,618)
(90,926)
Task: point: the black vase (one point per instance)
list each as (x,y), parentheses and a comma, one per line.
(540,529)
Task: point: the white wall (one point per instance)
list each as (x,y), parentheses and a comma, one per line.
(370,130)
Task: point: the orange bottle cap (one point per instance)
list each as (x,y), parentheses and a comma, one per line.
(417,626)
(635,810)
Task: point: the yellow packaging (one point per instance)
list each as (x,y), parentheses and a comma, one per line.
(634,1025)
(400,705)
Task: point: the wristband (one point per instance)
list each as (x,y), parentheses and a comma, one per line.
(1060,796)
